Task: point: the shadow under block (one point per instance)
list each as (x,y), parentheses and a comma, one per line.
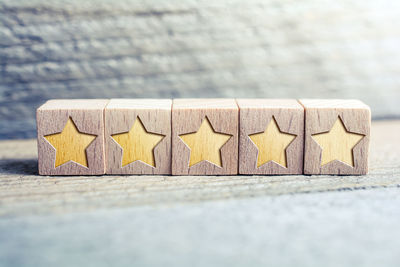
(271,136)
(138,136)
(204,137)
(71,137)
(337,134)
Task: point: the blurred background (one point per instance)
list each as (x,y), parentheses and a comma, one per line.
(198,48)
(193,48)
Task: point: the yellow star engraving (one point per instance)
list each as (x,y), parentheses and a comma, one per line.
(272,144)
(138,144)
(70,144)
(337,144)
(205,144)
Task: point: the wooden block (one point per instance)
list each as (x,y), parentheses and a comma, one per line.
(337,134)
(271,139)
(71,137)
(204,137)
(138,136)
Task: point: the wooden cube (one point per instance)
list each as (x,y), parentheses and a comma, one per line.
(71,137)
(337,134)
(271,139)
(204,137)
(138,136)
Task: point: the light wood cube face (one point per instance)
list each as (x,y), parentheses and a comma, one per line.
(138,136)
(204,137)
(71,137)
(271,138)
(337,134)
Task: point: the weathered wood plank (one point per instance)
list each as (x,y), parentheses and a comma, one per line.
(23,192)
(53,49)
(201,221)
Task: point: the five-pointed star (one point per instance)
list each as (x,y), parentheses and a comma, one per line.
(205,144)
(272,144)
(337,144)
(138,144)
(70,144)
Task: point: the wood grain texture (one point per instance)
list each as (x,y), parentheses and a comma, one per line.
(124,219)
(88,117)
(258,114)
(70,144)
(23,192)
(183,48)
(205,144)
(148,150)
(337,144)
(187,117)
(320,117)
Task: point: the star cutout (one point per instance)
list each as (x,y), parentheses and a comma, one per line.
(70,144)
(337,144)
(205,144)
(272,144)
(138,144)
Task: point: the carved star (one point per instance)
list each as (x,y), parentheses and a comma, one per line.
(272,144)
(337,144)
(138,144)
(70,144)
(205,144)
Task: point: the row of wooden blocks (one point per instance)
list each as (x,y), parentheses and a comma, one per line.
(203,136)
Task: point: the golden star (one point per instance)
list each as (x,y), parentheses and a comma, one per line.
(272,144)
(337,144)
(205,144)
(70,144)
(138,144)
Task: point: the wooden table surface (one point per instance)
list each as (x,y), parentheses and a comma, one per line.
(201,221)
